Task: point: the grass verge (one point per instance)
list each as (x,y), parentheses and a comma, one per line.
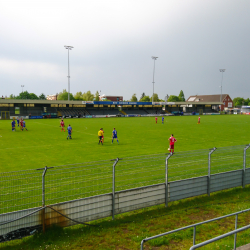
(128,229)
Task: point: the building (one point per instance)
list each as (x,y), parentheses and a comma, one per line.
(113,98)
(52,97)
(225,98)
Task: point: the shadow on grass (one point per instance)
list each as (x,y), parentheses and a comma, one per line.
(137,222)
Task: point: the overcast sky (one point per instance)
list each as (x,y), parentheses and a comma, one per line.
(113,43)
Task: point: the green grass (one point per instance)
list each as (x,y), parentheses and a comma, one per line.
(44,145)
(128,229)
(142,147)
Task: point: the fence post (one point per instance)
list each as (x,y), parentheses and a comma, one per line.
(236,226)
(244,166)
(43,194)
(209,170)
(113,190)
(194,235)
(166,179)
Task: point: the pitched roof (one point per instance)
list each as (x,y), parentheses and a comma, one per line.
(206,98)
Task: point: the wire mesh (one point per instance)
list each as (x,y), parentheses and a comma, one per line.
(20,190)
(132,172)
(188,164)
(248,158)
(78,181)
(227,159)
(23,189)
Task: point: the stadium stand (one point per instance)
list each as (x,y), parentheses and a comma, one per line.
(135,111)
(103,111)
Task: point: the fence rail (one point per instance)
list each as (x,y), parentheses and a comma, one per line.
(194,226)
(92,190)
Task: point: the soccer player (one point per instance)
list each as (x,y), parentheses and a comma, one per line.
(162,120)
(156,118)
(69,128)
(100,135)
(13,125)
(24,126)
(172,141)
(62,125)
(114,136)
(17,119)
(199,120)
(21,123)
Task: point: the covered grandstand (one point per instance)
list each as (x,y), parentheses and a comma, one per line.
(55,108)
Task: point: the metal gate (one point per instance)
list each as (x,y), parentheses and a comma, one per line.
(5,115)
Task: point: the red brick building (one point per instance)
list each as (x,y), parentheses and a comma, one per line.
(225,98)
(111,98)
(52,97)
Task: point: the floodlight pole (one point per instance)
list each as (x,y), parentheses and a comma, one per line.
(22,87)
(68,48)
(221,70)
(154,58)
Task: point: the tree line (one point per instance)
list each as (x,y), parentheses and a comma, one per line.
(27,95)
(88,96)
(240,101)
(146,98)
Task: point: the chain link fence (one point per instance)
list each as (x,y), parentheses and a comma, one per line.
(77,181)
(35,188)
(20,190)
(133,172)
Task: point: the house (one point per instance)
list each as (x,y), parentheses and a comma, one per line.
(52,97)
(225,98)
(111,98)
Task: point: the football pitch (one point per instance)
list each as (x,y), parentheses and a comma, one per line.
(45,145)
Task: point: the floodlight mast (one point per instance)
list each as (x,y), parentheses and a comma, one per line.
(221,70)
(22,87)
(154,58)
(68,48)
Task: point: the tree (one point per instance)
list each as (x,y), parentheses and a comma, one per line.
(145,98)
(27,95)
(142,95)
(156,98)
(133,98)
(181,96)
(97,96)
(12,97)
(173,98)
(88,96)
(42,96)
(63,96)
(33,96)
(78,96)
(238,101)
(247,101)
(23,95)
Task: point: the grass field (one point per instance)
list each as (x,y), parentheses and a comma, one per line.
(44,145)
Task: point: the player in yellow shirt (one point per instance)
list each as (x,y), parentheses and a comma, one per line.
(100,135)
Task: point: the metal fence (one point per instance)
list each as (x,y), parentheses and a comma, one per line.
(194,227)
(34,188)
(119,185)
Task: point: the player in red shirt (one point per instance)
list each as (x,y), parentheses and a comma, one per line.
(62,125)
(156,119)
(172,141)
(199,120)
(21,123)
